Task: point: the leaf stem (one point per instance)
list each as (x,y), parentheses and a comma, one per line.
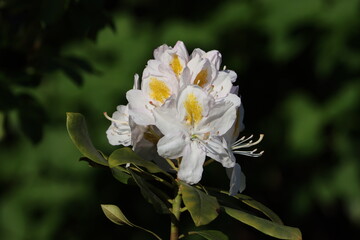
(146,230)
(174,230)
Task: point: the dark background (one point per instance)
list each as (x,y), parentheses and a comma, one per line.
(298,66)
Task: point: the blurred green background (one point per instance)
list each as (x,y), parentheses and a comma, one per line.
(298,66)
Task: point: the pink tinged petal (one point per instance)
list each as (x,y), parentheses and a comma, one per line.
(237,180)
(172,145)
(191,166)
(139,108)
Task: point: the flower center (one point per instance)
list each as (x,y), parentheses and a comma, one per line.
(201,78)
(176,65)
(158,90)
(193,109)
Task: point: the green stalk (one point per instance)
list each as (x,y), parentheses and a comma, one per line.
(175,220)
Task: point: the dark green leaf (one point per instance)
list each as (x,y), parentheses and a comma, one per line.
(125,155)
(203,208)
(121,174)
(91,162)
(148,194)
(211,234)
(78,132)
(270,228)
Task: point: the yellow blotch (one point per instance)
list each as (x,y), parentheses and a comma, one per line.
(176,65)
(201,78)
(193,109)
(159,90)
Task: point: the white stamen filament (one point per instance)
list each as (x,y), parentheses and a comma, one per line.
(115,120)
(245,143)
(242,142)
(250,153)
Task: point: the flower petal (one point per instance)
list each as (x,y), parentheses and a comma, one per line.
(202,71)
(119,132)
(172,145)
(191,166)
(166,117)
(223,83)
(139,108)
(193,104)
(237,180)
(222,115)
(217,149)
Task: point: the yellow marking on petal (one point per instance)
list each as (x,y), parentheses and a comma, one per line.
(159,90)
(176,65)
(193,109)
(201,78)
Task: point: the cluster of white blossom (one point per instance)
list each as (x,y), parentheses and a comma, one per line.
(184,110)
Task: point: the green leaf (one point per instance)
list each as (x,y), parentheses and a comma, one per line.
(149,195)
(126,155)
(76,126)
(211,234)
(232,201)
(114,214)
(259,206)
(265,226)
(121,174)
(91,162)
(203,208)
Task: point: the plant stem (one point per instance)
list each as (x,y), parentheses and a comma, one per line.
(174,233)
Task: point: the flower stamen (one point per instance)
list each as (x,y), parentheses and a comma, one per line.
(115,120)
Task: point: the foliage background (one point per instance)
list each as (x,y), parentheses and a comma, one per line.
(298,65)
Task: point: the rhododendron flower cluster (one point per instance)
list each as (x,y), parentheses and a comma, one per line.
(184,110)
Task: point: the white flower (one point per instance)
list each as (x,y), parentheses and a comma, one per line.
(189,124)
(119,132)
(237,177)
(187,109)
(160,80)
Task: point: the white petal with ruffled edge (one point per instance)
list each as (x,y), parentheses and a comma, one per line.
(191,166)
(119,132)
